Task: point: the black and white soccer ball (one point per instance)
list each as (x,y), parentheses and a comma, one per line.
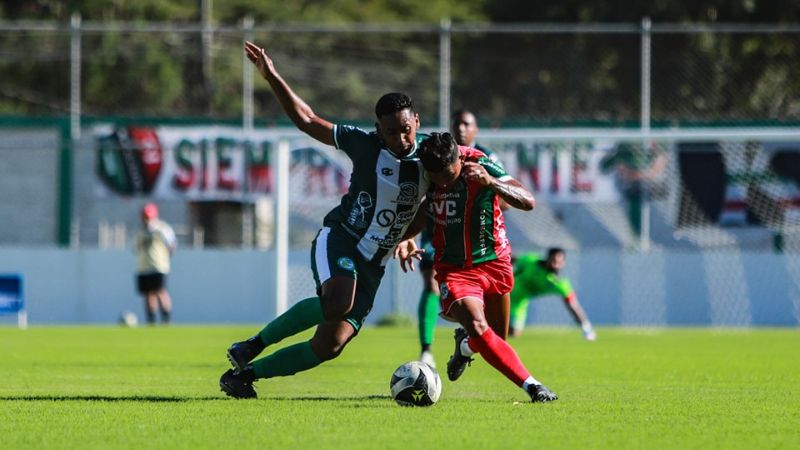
(415,384)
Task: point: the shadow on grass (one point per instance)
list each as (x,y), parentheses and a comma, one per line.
(165,399)
(331,399)
(104,398)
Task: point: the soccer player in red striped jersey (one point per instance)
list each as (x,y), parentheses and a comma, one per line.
(464,128)
(473,255)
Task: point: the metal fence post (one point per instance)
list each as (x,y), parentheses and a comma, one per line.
(247,77)
(445,33)
(282,227)
(70,133)
(646,80)
(75,76)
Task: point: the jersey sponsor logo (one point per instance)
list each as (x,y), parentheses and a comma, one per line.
(387,171)
(501,236)
(409,194)
(439,195)
(405,217)
(346,263)
(444,206)
(483,233)
(358,213)
(387,242)
(385,217)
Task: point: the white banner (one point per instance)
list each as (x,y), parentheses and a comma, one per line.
(197,163)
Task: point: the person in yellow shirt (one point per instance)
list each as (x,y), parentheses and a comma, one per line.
(155,244)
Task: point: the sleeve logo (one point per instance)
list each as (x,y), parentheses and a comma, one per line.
(346,263)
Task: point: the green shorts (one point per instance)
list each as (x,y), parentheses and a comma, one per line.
(334,253)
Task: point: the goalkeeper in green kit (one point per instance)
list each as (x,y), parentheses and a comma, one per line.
(535,276)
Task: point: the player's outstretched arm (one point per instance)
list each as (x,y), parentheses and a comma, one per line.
(574,307)
(298,111)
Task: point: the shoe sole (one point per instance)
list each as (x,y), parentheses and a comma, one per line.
(545,399)
(228,391)
(455,376)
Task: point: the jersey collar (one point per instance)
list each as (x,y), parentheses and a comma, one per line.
(410,154)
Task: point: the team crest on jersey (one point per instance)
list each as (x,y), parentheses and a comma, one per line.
(444,291)
(346,263)
(409,193)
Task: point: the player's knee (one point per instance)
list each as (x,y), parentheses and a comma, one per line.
(329,347)
(477,327)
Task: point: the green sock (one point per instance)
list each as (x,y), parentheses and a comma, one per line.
(302,316)
(427,314)
(287,361)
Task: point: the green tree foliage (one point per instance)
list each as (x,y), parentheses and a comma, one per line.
(507,78)
(699,11)
(703,77)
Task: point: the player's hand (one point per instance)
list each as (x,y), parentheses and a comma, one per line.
(258,56)
(475,172)
(406,251)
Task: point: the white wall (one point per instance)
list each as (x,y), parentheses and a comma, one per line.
(655,289)
(93,286)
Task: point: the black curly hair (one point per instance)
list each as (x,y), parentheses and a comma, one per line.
(393,102)
(438,151)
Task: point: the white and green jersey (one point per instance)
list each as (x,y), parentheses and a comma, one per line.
(385,192)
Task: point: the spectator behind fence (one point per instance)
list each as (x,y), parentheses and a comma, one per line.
(639,173)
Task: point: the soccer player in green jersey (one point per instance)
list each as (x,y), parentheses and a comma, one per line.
(535,276)
(349,254)
(464,128)
(473,255)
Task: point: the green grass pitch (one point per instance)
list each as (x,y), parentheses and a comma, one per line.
(109,387)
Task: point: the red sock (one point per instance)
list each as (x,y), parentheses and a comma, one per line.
(500,355)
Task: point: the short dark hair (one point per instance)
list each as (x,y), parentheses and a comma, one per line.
(553,251)
(459,112)
(393,102)
(438,151)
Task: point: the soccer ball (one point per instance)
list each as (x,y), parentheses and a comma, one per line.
(128,319)
(415,384)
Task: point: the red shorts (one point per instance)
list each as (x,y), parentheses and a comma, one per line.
(455,283)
